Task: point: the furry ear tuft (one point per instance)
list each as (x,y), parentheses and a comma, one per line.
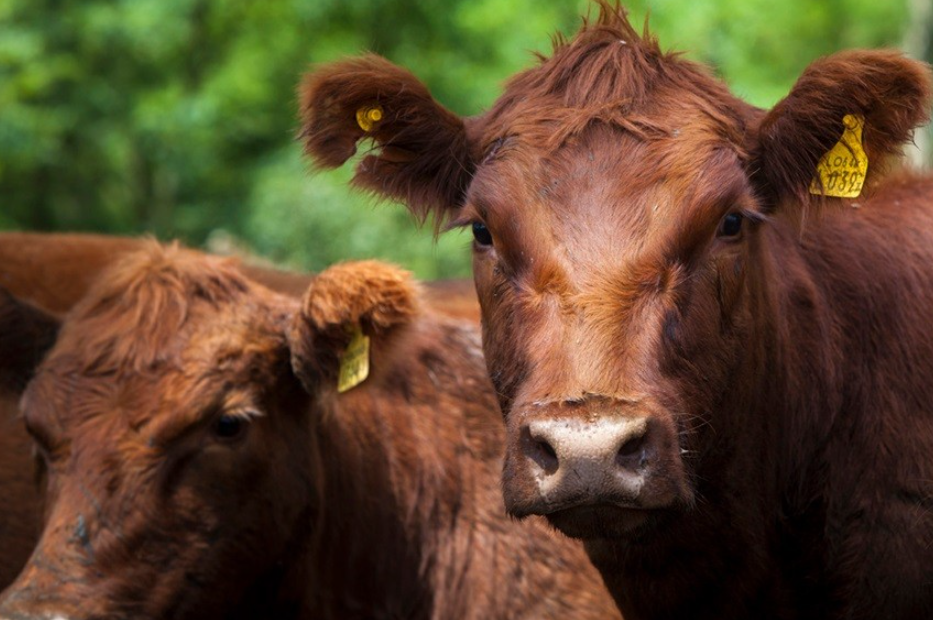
(422,157)
(889,91)
(373,296)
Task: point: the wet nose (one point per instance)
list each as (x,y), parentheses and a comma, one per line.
(571,458)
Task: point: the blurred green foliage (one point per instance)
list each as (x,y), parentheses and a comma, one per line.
(177,116)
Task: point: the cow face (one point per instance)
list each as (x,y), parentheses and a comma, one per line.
(622,203)
(603,297)
(165,417)
(182,451)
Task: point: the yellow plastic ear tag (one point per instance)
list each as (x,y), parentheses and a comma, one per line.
(354,363)
(368,116)
(841,171)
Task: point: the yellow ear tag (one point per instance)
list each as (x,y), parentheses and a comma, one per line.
(841,171)
(368,116)
(354,363)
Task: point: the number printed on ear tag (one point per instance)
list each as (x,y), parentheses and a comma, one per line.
(841,171)
(354,363)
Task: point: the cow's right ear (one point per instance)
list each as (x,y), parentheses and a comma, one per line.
(867,101)
(26,335)
(422,156)
(344,306)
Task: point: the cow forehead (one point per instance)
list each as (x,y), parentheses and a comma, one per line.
(210,365)
(607,202)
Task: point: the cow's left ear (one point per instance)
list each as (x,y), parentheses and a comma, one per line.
(882,95)
(26,334)
(347,311)
(421,156)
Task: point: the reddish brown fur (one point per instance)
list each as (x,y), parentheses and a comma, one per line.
(20,507)
(379,502)
(399,165)
(54,270)
(891,94)
(782,373)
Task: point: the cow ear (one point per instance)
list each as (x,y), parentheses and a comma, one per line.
(26,334)
(880,94)
(421,155)
(343,306)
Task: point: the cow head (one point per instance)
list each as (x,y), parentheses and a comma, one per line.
(179,444)
(622,203)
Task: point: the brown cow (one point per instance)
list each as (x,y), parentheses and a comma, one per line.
(202,464)
(25,335)
(727,397)
(54,270)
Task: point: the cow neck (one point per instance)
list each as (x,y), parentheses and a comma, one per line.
(771,425)
(281,593)
(397,487)
(799,372)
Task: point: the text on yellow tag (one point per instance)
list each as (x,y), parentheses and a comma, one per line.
(841,171)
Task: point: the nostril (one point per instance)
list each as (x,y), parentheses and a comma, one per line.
(544,455)
(540,451)
(546,448)
(631,453)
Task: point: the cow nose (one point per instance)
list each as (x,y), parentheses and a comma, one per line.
(571,458)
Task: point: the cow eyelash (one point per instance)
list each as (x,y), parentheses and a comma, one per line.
(246,414)
(468,214)
(482,237)
(734,223)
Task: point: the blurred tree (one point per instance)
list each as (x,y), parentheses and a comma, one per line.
(917,43)
(176,116)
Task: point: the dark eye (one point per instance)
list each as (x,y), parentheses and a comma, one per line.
(481,234)
(229,427)
(731,225)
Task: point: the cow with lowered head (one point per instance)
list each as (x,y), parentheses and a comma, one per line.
(708,324)
(51,272)
(202,462)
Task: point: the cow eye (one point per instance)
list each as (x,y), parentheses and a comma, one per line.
(731,225)
(230,427)
(482,234)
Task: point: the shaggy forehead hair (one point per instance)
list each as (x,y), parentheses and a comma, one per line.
(131,318)
(609,74)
